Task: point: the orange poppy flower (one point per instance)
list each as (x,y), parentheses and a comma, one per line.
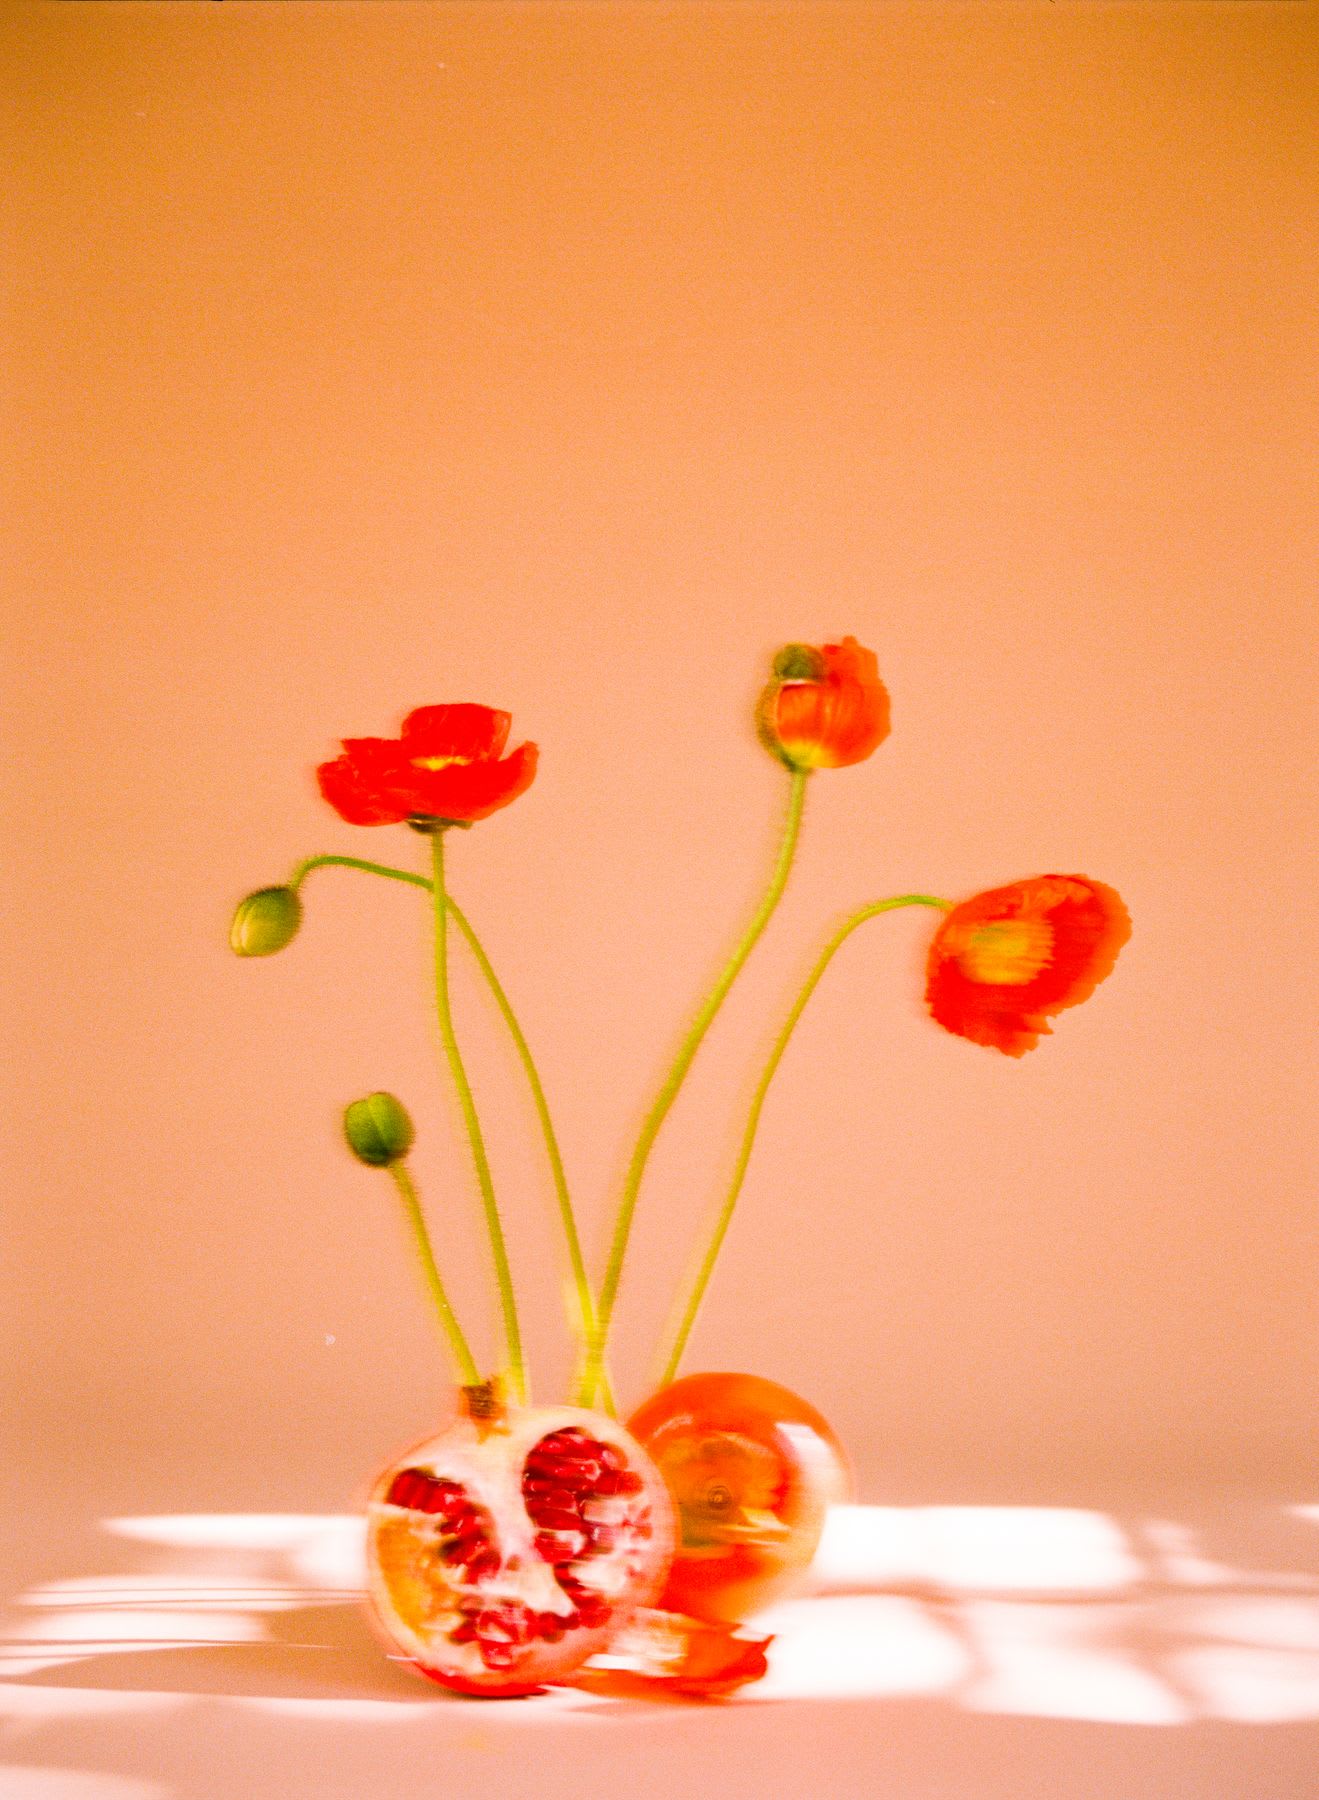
(1003,961)
(825,707)
(445,766)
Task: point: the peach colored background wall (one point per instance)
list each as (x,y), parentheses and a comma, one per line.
(570,358)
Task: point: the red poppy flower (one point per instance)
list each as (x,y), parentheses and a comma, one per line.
(445,765)
(1004,960)
(826,707)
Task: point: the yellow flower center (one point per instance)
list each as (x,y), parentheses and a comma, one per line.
(1007,952)
(437,762)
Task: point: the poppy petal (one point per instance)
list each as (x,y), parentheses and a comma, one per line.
(830,722)
(466,791)
(1072,929)
(462,730)
(672,1653)
(355,797)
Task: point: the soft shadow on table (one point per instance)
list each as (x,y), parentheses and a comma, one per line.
(308,1653)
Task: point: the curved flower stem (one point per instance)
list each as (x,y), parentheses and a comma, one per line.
(673,1081)
(354,862)
(464,1364)
(584,1322)
(513,1337)
(822,962)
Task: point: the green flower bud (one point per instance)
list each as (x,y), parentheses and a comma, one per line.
(378,1130)
(265,922)
(799,662)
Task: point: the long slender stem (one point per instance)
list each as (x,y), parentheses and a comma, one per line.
(674,1079)
(465,1365)
(822,962)
(513,1337)
(584,1321)
(585,1298)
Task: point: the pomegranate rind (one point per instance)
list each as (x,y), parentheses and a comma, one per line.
(752,1470)
(476,1564)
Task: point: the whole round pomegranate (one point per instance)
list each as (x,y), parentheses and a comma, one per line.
(505,1551)
(752,1470)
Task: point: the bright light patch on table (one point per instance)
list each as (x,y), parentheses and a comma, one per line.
(847,1647)
(1179,1558)
(1252,1686)
(1064,1662)
(239,1531)
(1040,1612)
(975,1549)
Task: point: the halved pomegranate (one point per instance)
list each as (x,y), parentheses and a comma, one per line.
(509,1548)
(751,1469)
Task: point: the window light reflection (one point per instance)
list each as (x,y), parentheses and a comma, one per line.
(1050,1612)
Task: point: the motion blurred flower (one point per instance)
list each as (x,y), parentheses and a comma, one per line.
(446,767)
(825,707)
(1005,960)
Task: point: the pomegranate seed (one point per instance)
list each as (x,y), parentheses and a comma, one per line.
(567,1472)
(483,1564)
(558,1519)
(551,1499)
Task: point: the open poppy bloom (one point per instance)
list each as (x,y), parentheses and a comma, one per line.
(446,766)
(825,707)
(1003,961)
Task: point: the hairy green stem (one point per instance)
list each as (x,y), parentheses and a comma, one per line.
(464,1364)
(822,962)
(584,1326)
(517,1373)
(305,868)
(583,1322)
(673,1081)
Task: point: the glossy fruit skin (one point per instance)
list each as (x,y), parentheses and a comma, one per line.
(502,1553)
(752,1470)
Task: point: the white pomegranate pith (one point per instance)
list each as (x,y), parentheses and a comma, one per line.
(501,1554)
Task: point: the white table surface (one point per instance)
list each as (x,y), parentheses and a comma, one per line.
(1166,1650)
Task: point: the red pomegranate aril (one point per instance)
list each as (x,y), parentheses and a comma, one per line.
(567,1472)
(551,1518)
(551,1499)
(568,1506)
(619,1481)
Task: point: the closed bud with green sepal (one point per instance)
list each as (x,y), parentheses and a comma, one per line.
(378,1130)
(265,922)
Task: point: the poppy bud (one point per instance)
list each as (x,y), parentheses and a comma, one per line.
(265,921)
(378,1130)
(825,707)
(799,662)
